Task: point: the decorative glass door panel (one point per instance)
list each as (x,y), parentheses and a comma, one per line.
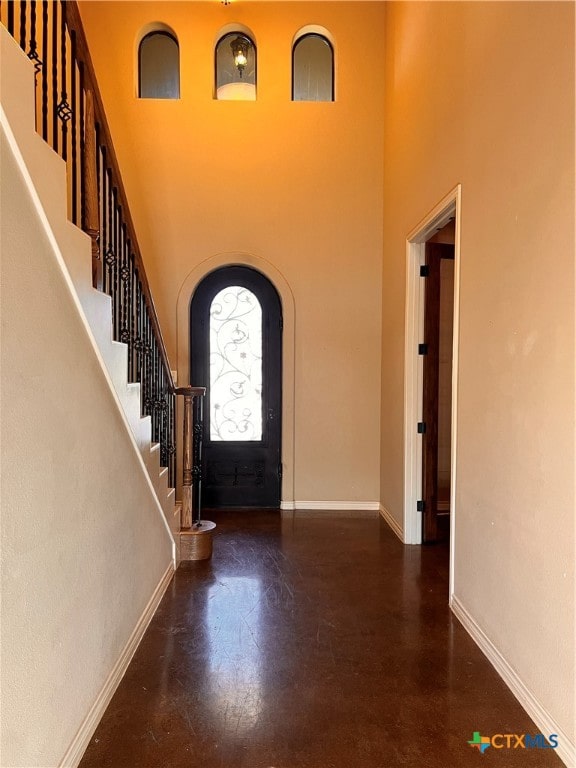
(236,353)
(235,365)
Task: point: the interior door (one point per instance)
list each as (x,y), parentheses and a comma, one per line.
(431,530)
(236,353)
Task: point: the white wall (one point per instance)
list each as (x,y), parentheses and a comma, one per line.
(84,543)
(482,94)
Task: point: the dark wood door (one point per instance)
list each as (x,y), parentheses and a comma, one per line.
(236,353)
(431,530)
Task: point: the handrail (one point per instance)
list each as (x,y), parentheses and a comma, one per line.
(70,116)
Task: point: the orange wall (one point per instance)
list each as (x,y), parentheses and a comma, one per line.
(482,94)
(298,185)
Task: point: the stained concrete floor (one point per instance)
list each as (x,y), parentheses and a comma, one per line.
(309,643)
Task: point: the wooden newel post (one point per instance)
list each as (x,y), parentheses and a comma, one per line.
(91,206)
(196,534)
(191,457)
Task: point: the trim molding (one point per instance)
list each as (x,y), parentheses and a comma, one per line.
(80,742)
(566,749)
(392,522)
(332,506)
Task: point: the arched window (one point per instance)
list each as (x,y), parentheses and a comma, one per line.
(312,68)
(235,354)
(159,67)
(235,61)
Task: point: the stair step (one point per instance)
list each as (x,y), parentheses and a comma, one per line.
(72,247)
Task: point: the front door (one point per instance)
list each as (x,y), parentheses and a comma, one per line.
(236,353)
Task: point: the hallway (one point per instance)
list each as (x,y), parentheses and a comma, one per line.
(308,643)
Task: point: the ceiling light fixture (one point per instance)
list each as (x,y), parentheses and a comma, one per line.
(240,46)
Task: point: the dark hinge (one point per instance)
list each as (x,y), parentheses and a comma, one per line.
(281,323)
(421,427)
(420,506)
(422,349)
(424,270)
(280,470)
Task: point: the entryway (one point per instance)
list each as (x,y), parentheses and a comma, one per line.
(236,353)
(431,365)
(435,426)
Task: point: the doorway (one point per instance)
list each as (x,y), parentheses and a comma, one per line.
(236,353)
(435,426)
(447,210)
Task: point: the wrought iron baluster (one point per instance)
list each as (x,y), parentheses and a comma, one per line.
(74,168)
(124,276)
(91,223)
(130,310)
(54,57)
(11,17)
(198,421)
(147,367)
(64,110)
(45,70)
(156,383)
(117,259)
(119,274)
(138,340)
(81,129)
(102,209)
(106,226)
(149,372)
(23,24)
(153,393)
(172,439)
(161,415)
(134,320)
(110,255)
(33,49)
(104,232)
(147,358)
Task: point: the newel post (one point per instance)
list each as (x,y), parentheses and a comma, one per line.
(91,207)
(195,533)
(192,454)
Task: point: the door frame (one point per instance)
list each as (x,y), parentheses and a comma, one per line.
(185,293)
(248,456)
(449,207)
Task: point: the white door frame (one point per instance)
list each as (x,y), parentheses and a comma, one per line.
(449,207)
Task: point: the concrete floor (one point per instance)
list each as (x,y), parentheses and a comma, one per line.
(309,643)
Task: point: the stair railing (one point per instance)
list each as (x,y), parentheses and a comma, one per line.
(70,117)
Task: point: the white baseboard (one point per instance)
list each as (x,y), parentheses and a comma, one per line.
(85,732)
(566,749)
(392,522)
(331,506)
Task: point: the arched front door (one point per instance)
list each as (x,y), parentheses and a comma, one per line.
(236,353)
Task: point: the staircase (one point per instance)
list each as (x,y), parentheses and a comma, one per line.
(106,256)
